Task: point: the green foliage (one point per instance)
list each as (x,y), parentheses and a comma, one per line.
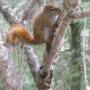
(15,2)
(1,86)
(85,5)
(62,72)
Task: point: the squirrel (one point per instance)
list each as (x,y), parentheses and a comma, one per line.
(19,33)
(43,22)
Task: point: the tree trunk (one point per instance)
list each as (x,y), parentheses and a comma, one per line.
(76,56)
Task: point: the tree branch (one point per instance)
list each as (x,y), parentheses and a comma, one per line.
(80,15)
(46,72)
(56,43)
(69,7)
(8,74)
(5,9)
(32,60)
(30,11)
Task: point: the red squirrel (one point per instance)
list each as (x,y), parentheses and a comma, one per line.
(43,22)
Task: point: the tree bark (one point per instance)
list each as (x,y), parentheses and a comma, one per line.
(44,73)
(8,74)
(76,56)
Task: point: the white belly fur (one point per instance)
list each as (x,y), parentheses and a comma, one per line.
(54,19)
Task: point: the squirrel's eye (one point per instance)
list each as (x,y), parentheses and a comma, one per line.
(52,9)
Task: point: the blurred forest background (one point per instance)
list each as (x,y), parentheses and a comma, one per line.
(64,71)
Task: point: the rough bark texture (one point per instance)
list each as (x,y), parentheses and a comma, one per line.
(6,11)
(44,75)
(9,76)
(32,62)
